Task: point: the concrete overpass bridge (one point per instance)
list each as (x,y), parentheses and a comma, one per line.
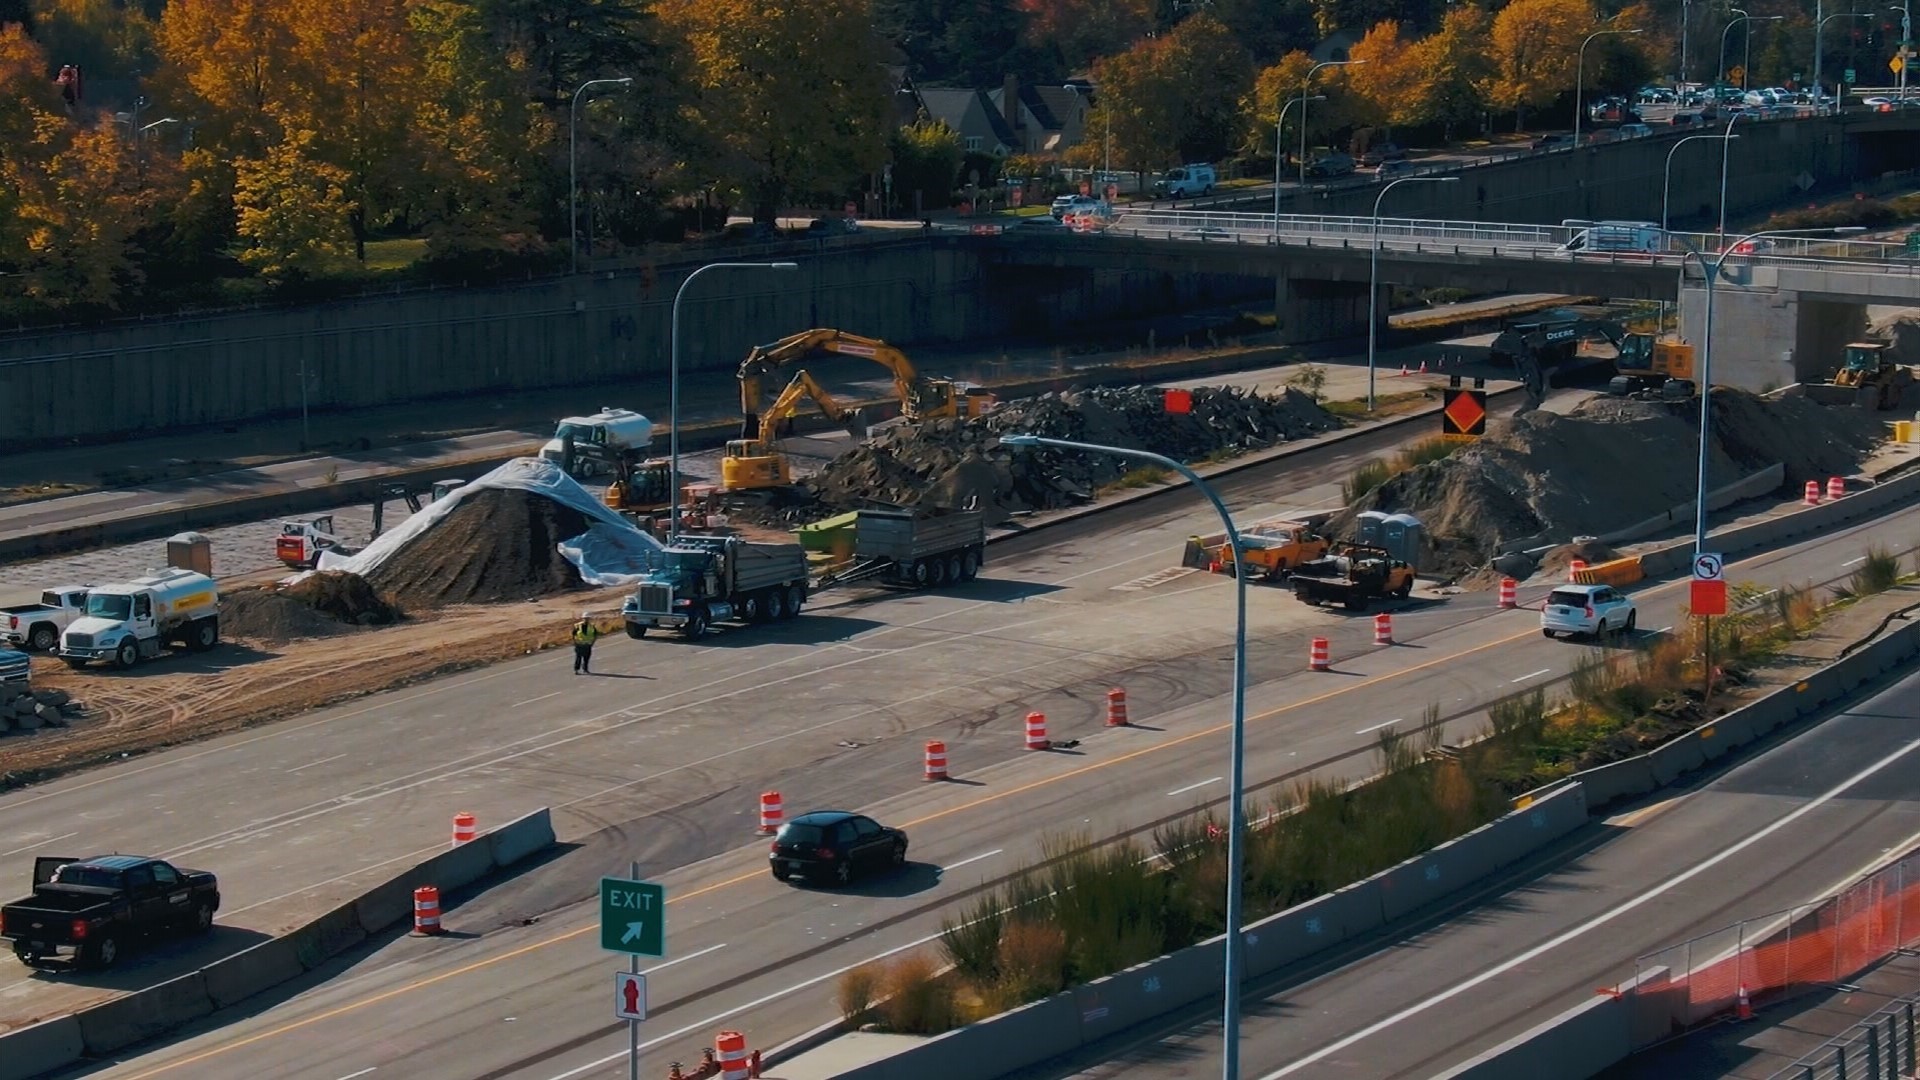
(1782,313)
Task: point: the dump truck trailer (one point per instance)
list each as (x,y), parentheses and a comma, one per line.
(912,548)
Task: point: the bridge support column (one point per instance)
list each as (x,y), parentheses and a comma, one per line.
(1309,310)
(1764,339)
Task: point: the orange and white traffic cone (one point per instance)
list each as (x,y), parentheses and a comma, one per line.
(1743,1009)
(1423,367)
(771,811)
(1037,732)
(1509,593)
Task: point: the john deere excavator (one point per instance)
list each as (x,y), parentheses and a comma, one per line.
(754,462)
(1653,368)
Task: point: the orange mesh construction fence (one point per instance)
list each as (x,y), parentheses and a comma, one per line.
(1778,955)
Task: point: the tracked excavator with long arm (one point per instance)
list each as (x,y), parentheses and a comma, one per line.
(754,462)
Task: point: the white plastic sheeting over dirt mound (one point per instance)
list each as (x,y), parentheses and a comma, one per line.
(524,529)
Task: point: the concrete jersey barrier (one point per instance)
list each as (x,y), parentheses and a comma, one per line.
(111,1026)
(1110,1006)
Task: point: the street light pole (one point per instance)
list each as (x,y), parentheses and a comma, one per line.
(573,171)
(1373,270)
(1279,125)
(1906,38)
(1237,814)
(1710,270)
(1666,182)
(1747,37)
(1726,152)
(1580,78)
(1303,108)
(673,378)
(1818,85)
(1106,122)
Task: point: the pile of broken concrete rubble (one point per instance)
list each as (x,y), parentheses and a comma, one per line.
(23,710)
(959,464)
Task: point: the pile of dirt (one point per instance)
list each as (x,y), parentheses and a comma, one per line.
(497,545)
(348,598)
(318,605)
(1544,478)
(961,463)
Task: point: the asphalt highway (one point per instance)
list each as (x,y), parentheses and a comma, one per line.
(1802,820)
(1068,619)
(662,754)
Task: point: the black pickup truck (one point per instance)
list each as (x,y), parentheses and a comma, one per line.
(93,907)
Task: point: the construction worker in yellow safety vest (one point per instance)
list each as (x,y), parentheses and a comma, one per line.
(584,635)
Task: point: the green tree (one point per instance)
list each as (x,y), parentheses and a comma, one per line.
(1138,104)
(1268,28)
(926,162)
(483,198)
(563,43)
(104,37)
(1534,50)
(294,210)
(1208,71)
(791,96)
(972,43)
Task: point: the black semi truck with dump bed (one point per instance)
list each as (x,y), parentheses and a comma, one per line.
(95,907)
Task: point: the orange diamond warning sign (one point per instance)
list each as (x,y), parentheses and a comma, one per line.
(1464,416)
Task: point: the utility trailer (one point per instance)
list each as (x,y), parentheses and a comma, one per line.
(911,548)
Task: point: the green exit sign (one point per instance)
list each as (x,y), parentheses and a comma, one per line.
(633,917)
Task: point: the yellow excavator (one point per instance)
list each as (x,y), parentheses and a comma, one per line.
(756,463)
(752,461)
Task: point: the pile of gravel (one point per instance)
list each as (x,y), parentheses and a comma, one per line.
(318,605)
(497,545)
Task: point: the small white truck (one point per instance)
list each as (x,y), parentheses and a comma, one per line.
(133,621)
(585,445)
(38,626)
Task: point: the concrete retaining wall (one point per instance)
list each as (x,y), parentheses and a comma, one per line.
(159,374)
(146,1014)
(1572,1046)
(1761,483)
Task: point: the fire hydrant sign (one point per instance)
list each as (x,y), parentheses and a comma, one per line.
(629,996)
(1709,585)
(633,917)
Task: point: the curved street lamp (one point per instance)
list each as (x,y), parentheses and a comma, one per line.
(1580,78)
(1373,269)
(573,172)
(1819,88)
(1303,108)
(1236,799)
(1279,124)
(1666,182)
(673,379)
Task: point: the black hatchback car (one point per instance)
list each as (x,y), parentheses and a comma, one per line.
(834,845)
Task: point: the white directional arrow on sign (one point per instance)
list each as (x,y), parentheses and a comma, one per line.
(1708,567)
(635,931)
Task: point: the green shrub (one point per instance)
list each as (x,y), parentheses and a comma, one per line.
(1879,572)
(972,944)
(1365,477)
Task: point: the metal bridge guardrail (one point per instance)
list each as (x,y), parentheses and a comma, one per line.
(1884,1046)
(1776,956)
(1494,239)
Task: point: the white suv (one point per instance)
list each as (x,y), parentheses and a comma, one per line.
(1586,609)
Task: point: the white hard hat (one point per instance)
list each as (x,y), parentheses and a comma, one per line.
(586,614)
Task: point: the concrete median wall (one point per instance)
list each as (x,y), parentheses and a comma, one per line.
(1678,558)
(1120,1003)
(149,1013)
(51,1044)
(1572,1046)
(139,1016)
